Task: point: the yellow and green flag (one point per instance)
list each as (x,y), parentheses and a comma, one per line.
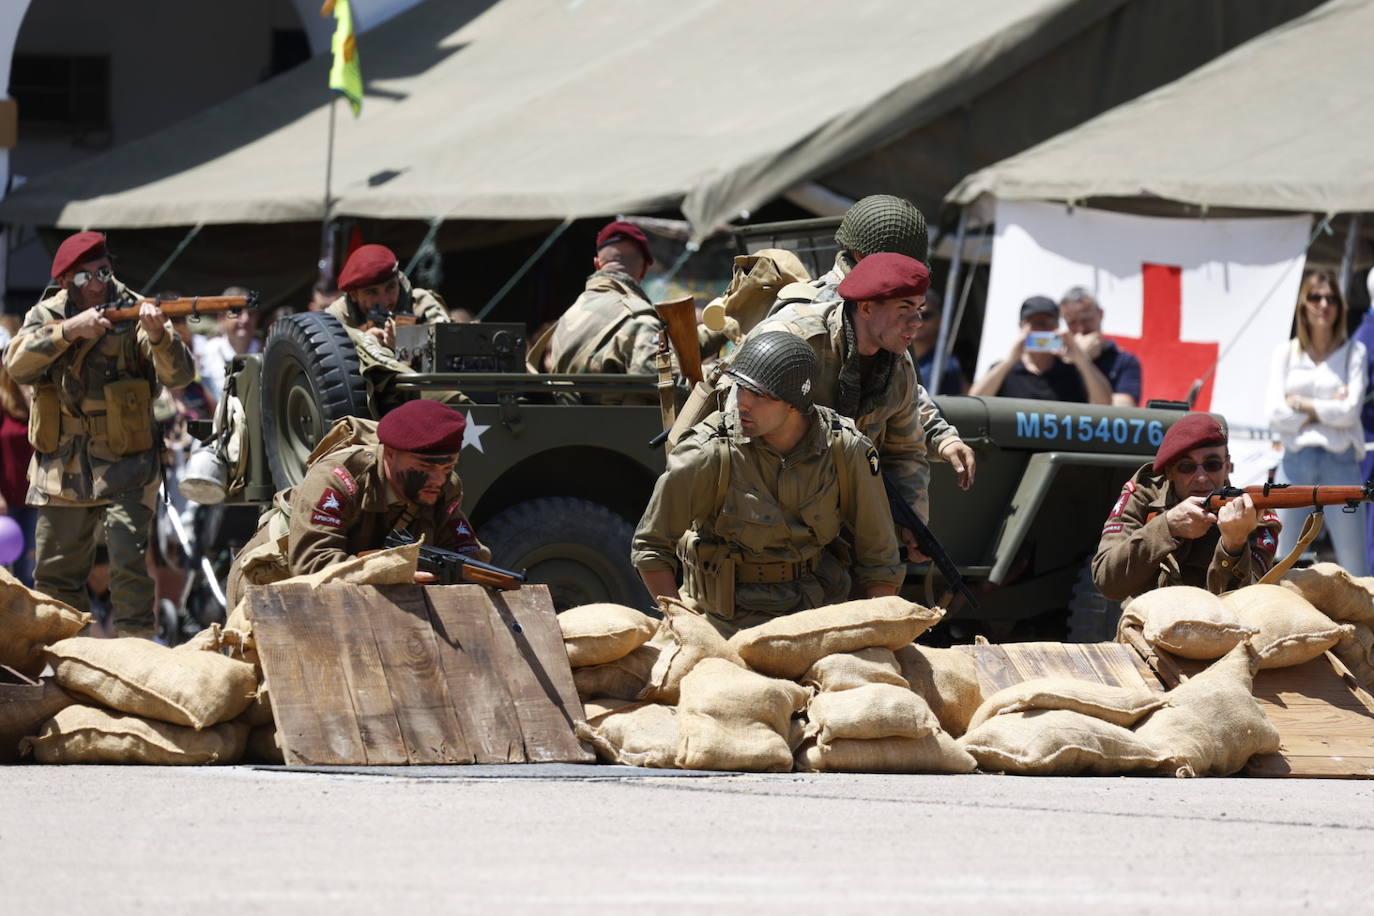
(346,76)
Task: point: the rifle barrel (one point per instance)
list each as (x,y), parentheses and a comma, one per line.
(186,305)
(1293,496)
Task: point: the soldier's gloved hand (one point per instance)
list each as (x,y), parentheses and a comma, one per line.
(1237,520)
(87,325)
(151,319)
(960,457)
(1188,519)
(380,335)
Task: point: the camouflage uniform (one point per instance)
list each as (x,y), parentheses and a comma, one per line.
(1137,552)
(611,328)
(345,505)
(762,529)
(886,402)
(85,479)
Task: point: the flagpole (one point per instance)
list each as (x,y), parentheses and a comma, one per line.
(326,237)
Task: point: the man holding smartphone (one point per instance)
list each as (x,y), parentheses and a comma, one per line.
(1044,365)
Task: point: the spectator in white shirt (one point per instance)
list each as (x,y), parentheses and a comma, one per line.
(1316,389)
(237,334)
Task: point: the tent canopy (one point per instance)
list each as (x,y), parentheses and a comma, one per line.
(1280,123)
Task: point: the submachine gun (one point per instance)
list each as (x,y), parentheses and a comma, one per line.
(452,568)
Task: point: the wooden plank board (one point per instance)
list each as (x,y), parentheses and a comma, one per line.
(995,670)
(1001,666)
(378,724)
(1119,665)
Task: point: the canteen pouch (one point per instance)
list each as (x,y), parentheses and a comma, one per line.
(129,416)
(45,419)
(708,575)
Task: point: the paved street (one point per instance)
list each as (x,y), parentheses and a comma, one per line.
(598,839)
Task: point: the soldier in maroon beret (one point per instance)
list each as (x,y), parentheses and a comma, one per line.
(377,295)
(1158,534)
(97,455)
(352,498)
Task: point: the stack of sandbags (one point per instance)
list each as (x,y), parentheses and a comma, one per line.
(1288,629)
(30,621)
(730,718)
(22,717)
(606,649)
(947,679)
(152,704)
(1344,597)
(1186,621)
(631,733)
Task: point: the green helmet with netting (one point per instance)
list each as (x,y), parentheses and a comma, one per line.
(881,222)
(778,365)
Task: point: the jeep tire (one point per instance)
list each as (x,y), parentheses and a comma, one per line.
(579,549)
(310,379)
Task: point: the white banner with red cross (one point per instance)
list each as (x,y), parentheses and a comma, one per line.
(1194,299)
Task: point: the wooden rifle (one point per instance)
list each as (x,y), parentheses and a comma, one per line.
(450,567)
(182,307)
(680,321)
(1294,496)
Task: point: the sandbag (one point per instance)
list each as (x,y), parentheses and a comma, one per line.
(599,706)
(1059,742)
(389,566)
(947,679)
(637,735)
(1334,591)
(262,745)
(1356,652)
(236,636)
(1123,706)
(136,676)
(867,712)
(789,645)
(595,634)
(22,717)
(259,712)
(30,621)
(847,670)
(1211,724)
(937,752)
(1187,621)
(730,718)
(1290,630)
(684,639)
(87,734)
(623,678)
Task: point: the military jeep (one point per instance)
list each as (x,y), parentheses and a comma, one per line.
(557,487)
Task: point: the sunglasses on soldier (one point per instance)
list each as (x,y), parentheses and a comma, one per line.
(82,277)
(1211,464)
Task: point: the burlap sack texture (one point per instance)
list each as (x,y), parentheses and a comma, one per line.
(1121,706)
(730,718)
(637,734)
(789,645)
(684,639)
(1186,621)
(1335,592)
(18,719)
(30,621)
(1059,742)
(1211,724)
(1356,652)
(848,670)
(87,734)
(623,678)
(262,746)
(868,712)
(1290,630)
(947,679)
(937,752)
(595,634)
(599,706)
(182,687)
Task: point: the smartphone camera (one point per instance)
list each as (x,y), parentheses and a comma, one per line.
(1043,342)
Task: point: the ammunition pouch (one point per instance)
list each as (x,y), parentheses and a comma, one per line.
(129,416)
(45,419)
(708,575)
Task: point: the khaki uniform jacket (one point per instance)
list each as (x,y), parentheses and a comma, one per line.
(1137,552)
(611,328)
(764,509)
(69,377)
(887,403)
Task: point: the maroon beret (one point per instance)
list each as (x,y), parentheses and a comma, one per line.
(620,231)
(885,275)
(424,427)
(77,249)
(368,266)
(1194,430)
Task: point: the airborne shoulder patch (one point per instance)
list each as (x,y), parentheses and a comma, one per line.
(872,457)
(1123,499)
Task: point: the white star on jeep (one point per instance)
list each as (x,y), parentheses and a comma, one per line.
(472,434)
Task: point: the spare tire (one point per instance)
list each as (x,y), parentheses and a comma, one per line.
(310,379)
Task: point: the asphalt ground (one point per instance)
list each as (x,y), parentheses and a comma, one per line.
(588,839)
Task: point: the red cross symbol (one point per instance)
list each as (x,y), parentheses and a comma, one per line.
(1169,366)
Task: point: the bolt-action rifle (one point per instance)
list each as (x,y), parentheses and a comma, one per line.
(906,517)
(182,307)
(1294,496)
(451,568)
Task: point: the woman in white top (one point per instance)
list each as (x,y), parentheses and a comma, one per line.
(1316,390)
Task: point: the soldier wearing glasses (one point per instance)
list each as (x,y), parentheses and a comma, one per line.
(1158,533)
(97,450)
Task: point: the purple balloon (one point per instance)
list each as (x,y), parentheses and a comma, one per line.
(11,539)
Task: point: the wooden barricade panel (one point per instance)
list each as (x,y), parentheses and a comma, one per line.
(365,675)
(1003,665)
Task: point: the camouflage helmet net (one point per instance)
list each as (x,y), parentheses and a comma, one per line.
(779,365)
(881,222)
